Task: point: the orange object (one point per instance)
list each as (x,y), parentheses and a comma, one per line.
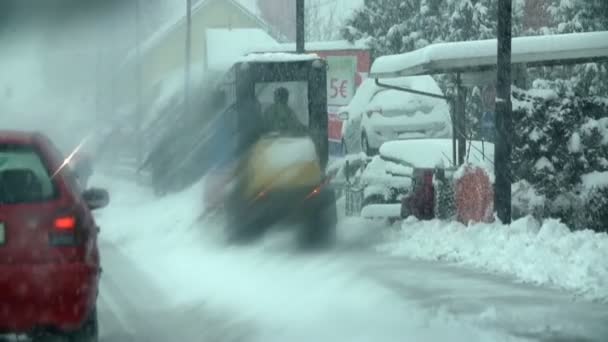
(474,196)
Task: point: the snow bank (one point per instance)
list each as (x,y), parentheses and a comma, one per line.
(541,254)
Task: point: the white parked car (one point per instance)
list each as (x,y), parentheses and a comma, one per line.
(377,114)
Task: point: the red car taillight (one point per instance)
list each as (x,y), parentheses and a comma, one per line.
(64,232)
(65,223)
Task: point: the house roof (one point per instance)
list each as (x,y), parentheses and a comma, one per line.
(246,7)
(481,55)
(316,46)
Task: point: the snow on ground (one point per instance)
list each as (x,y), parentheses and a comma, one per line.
(547,254)
(279,294)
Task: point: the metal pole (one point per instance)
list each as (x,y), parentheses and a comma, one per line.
(98,86)
(461,120)
(300,26)
(504,120)
(138,86)
(188,57)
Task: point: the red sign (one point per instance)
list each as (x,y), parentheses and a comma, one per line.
(334,127)
(341,85)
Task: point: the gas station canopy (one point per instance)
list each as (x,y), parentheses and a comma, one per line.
(481,55)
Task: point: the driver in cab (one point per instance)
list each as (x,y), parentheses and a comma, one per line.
(279,117)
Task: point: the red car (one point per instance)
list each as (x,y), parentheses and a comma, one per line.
(49,260)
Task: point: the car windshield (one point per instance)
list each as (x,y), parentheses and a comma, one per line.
(23,176)
(284,102)
(249,170)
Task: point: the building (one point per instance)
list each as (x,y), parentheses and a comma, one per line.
(227,26)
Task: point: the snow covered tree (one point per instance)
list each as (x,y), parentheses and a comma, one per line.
(571,16)
(320,20)
(397,26)
(554,147)
(561,136)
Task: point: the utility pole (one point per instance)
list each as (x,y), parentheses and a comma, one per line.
(98,77)
(300,26)
(138,86)
(461,120)
(504,120)
(188,57)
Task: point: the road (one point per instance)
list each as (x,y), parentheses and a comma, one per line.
(133,308)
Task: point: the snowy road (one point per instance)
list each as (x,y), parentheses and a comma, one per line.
(493,301)
(133,309)
(166,279)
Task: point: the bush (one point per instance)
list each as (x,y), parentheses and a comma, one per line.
(560,137)
(594,214)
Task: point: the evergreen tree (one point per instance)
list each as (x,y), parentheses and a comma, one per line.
(571,16)
(560,137)
(397,26)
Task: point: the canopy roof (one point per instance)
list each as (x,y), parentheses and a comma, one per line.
(481,55)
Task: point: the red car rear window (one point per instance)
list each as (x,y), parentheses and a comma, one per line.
(24,178)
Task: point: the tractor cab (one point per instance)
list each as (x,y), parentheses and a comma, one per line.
(278,94)
(277,110)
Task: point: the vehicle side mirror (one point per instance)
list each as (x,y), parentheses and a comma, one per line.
(343,116)
(96,198)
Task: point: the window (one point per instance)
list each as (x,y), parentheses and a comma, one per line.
(24,177)
(297,92)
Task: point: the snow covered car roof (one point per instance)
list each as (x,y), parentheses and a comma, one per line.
(399,107)
(369,88)
(430,153)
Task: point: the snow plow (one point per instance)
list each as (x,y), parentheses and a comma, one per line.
(273,186)
(275,113)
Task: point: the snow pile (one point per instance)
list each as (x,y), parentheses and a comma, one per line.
(541,254)
(377,173)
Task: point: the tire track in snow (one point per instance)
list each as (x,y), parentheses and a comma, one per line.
(134,309)
(490,301)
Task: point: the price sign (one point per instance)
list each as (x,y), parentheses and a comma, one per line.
(341,79)
(339,89)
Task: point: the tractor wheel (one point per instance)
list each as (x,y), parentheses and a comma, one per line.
(319,231)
